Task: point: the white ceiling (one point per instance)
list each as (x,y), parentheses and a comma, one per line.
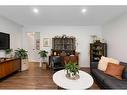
(62,15)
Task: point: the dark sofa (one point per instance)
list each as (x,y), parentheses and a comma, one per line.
(108,82)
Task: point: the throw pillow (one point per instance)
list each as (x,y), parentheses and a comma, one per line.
(102,65)
(111,60)
(115,70)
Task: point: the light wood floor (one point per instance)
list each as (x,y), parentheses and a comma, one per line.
(34,78)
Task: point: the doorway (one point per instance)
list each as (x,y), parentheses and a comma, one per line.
(33,46)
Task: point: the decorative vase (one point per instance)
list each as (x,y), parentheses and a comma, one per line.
(71,75)
(9,55)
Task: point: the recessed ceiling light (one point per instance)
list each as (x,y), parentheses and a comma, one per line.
(35,10)
(83,11)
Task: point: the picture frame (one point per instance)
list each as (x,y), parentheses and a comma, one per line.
(37,44)
(46,42)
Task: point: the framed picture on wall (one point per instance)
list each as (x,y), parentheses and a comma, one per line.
(37,44)
(46,42)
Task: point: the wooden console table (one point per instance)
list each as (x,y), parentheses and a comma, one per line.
(8,66)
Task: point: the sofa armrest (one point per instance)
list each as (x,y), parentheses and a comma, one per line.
(94,65)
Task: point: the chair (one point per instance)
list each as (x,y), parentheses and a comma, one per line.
(73,59)
(57,63)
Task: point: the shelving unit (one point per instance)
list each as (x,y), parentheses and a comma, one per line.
(97,50)
(63,43)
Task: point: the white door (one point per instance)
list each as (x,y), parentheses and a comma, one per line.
(31,46)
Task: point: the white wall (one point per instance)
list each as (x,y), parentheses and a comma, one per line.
(82,34)
(115,32)
(15,31)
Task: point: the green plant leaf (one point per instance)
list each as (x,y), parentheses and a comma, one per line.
(72,67)
(21,53)
(8,51)
(43,53)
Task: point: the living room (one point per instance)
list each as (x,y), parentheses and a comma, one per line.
(38,24)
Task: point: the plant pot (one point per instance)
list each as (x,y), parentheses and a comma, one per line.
(9,55)
(44,59)
(24,64)
(71,76)
(44,65)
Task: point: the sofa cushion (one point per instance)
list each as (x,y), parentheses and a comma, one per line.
(103,63)
(115,70)
(112,60)
(100,75)
(115,83)
(125,70)
(125,73)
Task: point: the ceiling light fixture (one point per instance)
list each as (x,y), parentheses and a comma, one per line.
(83,11)
(35,10)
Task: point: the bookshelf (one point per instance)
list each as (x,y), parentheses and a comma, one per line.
(97,50)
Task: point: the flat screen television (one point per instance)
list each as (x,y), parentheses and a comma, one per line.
(4,41)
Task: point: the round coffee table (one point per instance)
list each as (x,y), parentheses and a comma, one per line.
(84,82)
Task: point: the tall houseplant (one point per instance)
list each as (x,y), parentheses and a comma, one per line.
(43,55)
(22,53)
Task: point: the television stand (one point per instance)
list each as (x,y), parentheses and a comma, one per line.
(9,66)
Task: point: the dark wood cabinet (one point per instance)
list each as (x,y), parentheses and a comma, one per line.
(63,46)
(62,60)
(97,50)
(9,66)
(63,43)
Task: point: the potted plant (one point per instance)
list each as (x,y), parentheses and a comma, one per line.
(72,70)
(8,53)
(43,55)
(22,53)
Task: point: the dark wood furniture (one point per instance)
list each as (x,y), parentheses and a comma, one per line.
(62,46)
(9,66)
(97,50)
(58,62)
(63,43)
(74,59)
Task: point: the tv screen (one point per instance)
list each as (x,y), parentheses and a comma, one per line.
(4,41)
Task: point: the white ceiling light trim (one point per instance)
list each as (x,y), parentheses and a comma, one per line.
(83,10)
(35,10)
